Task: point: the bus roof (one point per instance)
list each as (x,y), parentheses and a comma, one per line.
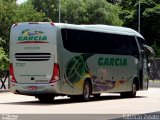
(94,27)
(101,28)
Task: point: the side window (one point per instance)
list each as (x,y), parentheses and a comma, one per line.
(141,42)
(132,46)
(100,43)
(106,43)
(103,43)
(145,52)
(77,40)
(120,47)
(66,35)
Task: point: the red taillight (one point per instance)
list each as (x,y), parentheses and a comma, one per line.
(11,71)
(55,76)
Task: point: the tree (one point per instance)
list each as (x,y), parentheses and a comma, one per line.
(11,13)
(49,7)
(114,1)
(80,11)
(150,15)
(151,28)
(4,61)
(156,49)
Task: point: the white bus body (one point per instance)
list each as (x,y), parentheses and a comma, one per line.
(51,59)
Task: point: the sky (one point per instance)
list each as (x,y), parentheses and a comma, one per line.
(20,1)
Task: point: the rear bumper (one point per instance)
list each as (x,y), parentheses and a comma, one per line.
(38,89)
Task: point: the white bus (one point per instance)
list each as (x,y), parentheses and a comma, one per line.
(52,59)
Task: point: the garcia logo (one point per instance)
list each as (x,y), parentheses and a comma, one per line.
(112,61)
(28,36)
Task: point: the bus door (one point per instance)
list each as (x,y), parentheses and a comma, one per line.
(145,65)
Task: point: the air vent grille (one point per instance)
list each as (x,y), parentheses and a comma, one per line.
(32,56)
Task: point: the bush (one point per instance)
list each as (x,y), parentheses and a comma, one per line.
(4,61)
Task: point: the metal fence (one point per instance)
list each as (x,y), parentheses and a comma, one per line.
(154,72)
(4,83)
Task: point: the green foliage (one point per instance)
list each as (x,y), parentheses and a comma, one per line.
(156,49)
(49,7)
(11,13)
(80,11)
(114,1)
(150,18)
(4,61)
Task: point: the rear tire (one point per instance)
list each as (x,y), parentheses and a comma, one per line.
(131,93)
(87,89)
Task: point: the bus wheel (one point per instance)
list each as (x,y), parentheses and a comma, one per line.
(131,93)
(134,90)
(86,91)
(46,99)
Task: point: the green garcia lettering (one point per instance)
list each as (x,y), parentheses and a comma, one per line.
(112,61)
(32,38)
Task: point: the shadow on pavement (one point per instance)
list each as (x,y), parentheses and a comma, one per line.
(70,101)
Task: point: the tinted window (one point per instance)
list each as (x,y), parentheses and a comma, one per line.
(96,42)
(141,42)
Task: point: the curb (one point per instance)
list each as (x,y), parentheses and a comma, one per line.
(4,90)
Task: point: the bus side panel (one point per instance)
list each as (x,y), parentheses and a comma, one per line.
(109,73)
(114,73)
(74,73)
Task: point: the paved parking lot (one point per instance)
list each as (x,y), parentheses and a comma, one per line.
(109,105)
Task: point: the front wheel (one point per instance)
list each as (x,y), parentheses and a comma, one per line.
(134,90)
(131,93)
(86,91)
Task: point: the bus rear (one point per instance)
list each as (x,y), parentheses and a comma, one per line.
(33,59)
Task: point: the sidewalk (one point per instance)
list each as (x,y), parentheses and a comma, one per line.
(4,90)
(6,86)
(155,83)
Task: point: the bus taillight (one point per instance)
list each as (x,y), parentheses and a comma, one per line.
(12,78)
(55,76)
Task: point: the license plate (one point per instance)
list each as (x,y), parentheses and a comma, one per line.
(32,87)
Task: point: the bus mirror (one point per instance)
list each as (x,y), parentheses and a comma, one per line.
(151,51)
